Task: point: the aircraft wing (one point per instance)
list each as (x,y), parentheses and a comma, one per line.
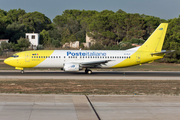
(94,63)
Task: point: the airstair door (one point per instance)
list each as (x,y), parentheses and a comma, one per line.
(27,57)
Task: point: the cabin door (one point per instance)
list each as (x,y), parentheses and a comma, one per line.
(27,57)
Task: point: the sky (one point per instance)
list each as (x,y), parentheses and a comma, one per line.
(165,9)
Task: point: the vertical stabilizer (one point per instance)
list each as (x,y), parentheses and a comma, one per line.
(155,42)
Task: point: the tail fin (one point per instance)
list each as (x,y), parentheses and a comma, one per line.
(155,41)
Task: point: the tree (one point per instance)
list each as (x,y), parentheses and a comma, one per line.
(14,31)
(23,43)
(44,38)
(5,45)
(35,22)
(14,14)
(4,22)
(120,11)
(56,43)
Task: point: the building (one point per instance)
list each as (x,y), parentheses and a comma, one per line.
(89,41)
(71,45)
(33,39)
(6,40)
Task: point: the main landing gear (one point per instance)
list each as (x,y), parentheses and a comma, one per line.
(87,71)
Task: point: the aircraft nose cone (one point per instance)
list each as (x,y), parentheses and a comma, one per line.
(6,61)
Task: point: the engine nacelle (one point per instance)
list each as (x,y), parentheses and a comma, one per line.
(71,67)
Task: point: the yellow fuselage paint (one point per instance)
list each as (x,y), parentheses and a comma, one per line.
(25,59)
(138,58)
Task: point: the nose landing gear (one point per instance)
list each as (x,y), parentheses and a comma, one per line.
(22,71)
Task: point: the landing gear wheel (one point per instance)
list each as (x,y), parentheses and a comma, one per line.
(89,71)
(22,71)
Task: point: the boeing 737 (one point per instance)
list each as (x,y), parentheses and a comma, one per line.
(76,60)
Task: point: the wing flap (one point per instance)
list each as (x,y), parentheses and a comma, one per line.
(95,62)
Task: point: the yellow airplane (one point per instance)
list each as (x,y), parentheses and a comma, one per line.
(75,60)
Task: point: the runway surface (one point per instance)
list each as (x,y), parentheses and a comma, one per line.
(122,75)
(77,107)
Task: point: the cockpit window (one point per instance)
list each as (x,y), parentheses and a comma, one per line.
(15,56)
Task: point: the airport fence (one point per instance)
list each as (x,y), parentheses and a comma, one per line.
(6,53)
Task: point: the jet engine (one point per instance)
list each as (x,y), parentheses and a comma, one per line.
(71,67)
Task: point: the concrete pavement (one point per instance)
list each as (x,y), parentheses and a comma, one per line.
(77,107)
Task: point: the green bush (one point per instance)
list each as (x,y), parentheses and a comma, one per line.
(137,41)
(23,43)
(5,45)
(16,47)
(56,43)
(40,47)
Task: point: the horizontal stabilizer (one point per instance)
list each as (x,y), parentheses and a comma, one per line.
(162,52)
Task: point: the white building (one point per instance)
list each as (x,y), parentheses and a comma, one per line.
(33,39)
(6,40)
(89,41)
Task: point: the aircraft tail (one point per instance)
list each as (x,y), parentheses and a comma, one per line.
(155,42)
